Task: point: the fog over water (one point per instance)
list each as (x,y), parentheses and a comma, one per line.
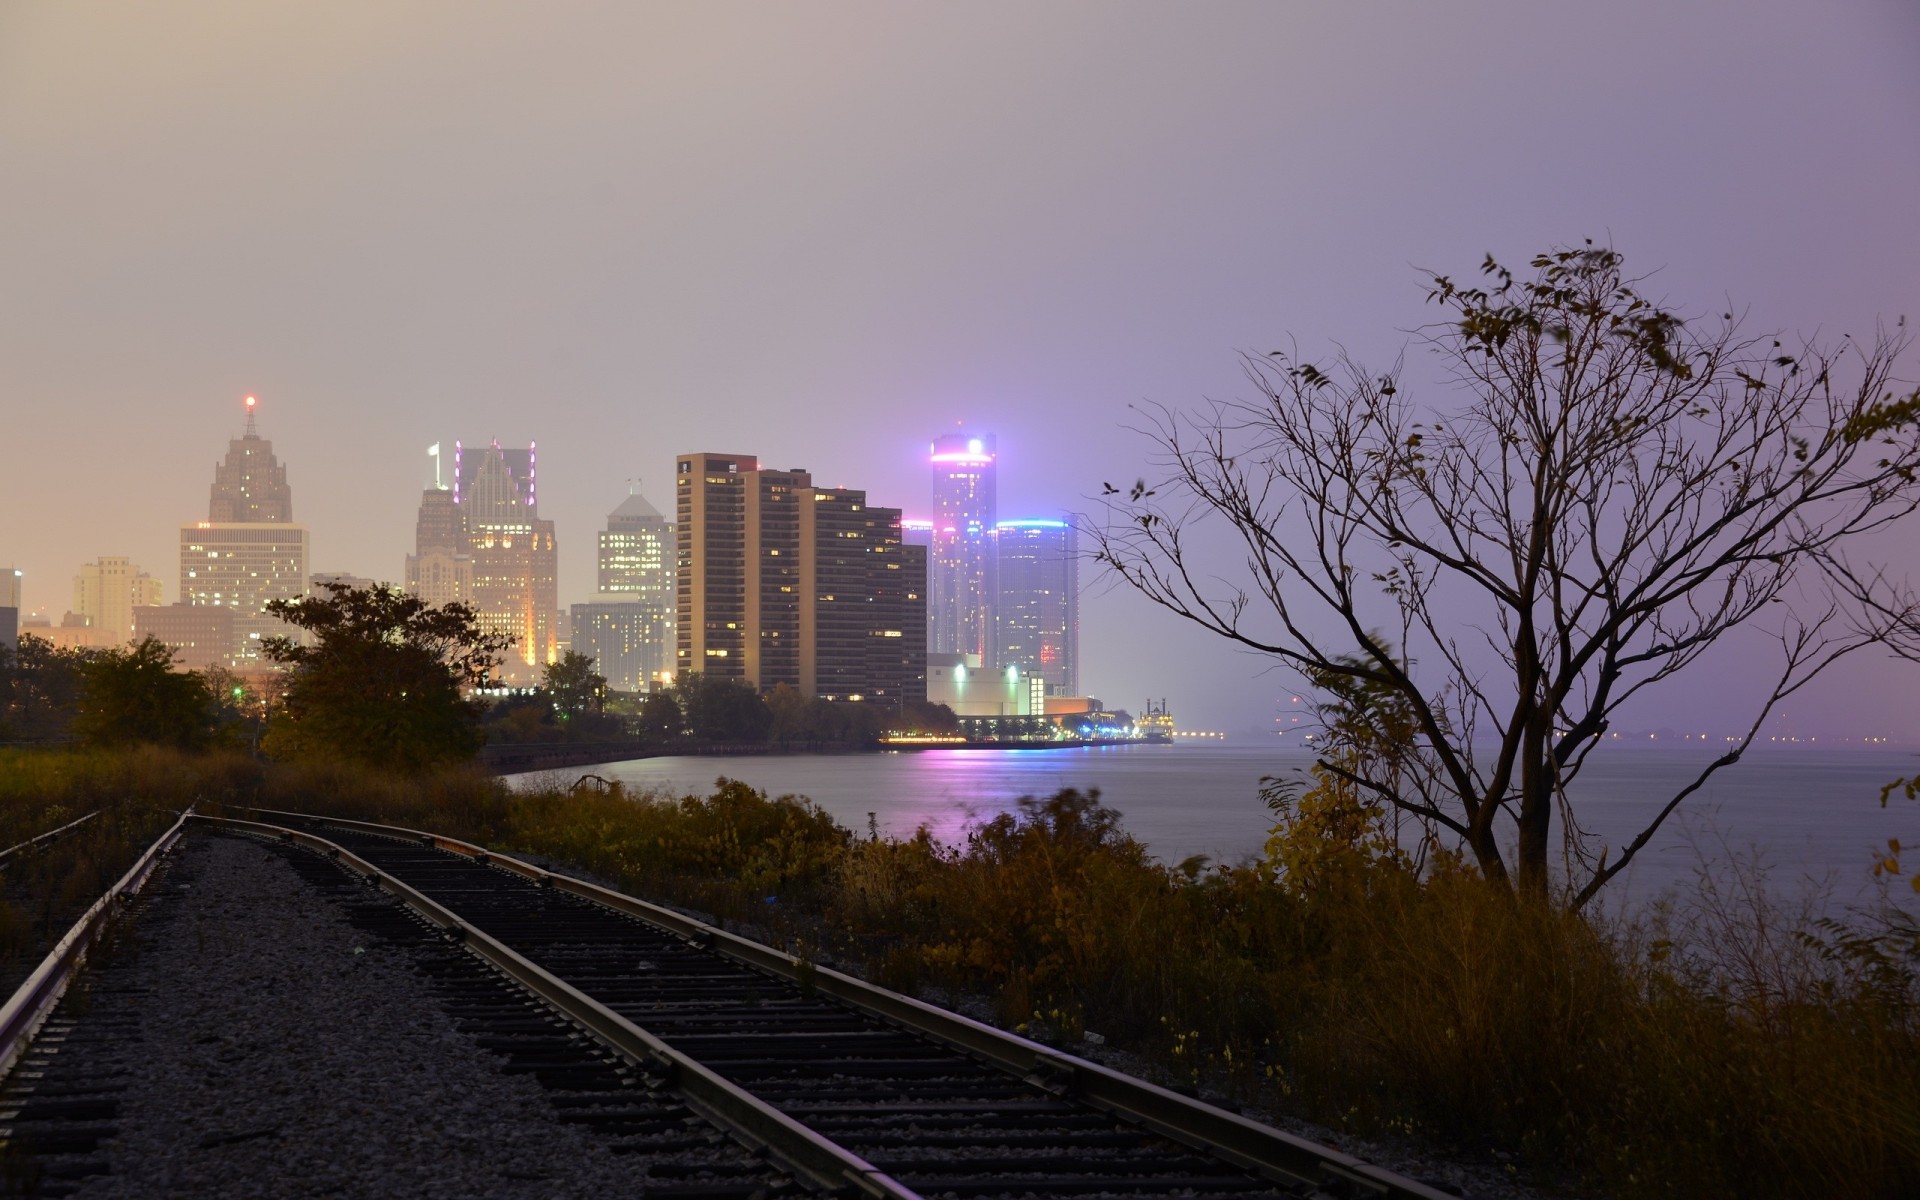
(1809,814)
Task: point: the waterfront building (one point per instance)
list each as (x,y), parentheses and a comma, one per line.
(781,582)
(200,635)
(106,592)
(248,552)
(960,560)
(483,543)
(630,643)
(960,682)
(1037,605)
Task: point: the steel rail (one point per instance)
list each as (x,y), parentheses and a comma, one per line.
(33,1001)
(1272,1152)
(42,839)
(823,1163)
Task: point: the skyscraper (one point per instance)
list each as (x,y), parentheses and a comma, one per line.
(1037,610)
(960,560)
(250,485)
(106,592)
(440,570)
(248,551)
(780,582)
(628,629)
(487,546)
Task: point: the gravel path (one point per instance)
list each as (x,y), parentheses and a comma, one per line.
(285,1053)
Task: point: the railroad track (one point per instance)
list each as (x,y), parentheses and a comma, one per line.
(844,1088)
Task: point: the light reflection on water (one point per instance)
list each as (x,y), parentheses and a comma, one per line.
(1809,812)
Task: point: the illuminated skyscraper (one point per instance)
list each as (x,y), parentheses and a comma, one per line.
(778,581)
(248,552)
(489,541)
(1037,612)
(250,486)
(628,630)
(960,561)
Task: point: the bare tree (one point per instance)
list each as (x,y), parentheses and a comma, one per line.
(1615,492)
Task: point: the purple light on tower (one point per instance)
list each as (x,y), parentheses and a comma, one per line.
(960,563)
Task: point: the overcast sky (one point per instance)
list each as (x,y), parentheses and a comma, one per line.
(823,233)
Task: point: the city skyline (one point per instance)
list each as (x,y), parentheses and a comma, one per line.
(393,228)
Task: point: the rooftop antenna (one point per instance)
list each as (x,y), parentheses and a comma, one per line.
(252,401)
(434,451)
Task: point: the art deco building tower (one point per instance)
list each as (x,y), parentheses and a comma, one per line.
(248,551)
(960,561)
(511,551)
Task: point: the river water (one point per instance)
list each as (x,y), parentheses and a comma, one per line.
(1809,814)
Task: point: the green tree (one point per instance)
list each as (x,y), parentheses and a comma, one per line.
(921,716)
(1609,492)
(132,694)
(660,718)
(574,687)
(39,690)
(722,710)
(382,680)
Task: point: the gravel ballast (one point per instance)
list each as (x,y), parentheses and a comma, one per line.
(282,1052)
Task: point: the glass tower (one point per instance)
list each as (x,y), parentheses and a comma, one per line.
(960,560)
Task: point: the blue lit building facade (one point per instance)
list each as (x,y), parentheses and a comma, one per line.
(1037,602)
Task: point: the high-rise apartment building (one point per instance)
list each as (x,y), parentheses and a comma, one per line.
(1037,608)
(248,552)
(780,582)
(485,544)
(960,559)
(106,592)
(628,629)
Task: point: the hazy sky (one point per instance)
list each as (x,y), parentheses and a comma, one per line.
(823,233)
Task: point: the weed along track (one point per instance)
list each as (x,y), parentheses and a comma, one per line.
(297,1006)
(853,1088)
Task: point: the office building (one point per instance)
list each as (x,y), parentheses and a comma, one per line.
(1037,605)
(250,485)
(636,552)
(628,629)
(780,582)
(10,581)
(248,552)
(440,571)
(630,643)
(485,544)
(106,592)
(200,635)
(960,560)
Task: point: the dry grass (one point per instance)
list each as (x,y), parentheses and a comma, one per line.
(1716,1048)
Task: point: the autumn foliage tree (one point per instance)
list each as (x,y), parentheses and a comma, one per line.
(1604,492)
(382,679)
